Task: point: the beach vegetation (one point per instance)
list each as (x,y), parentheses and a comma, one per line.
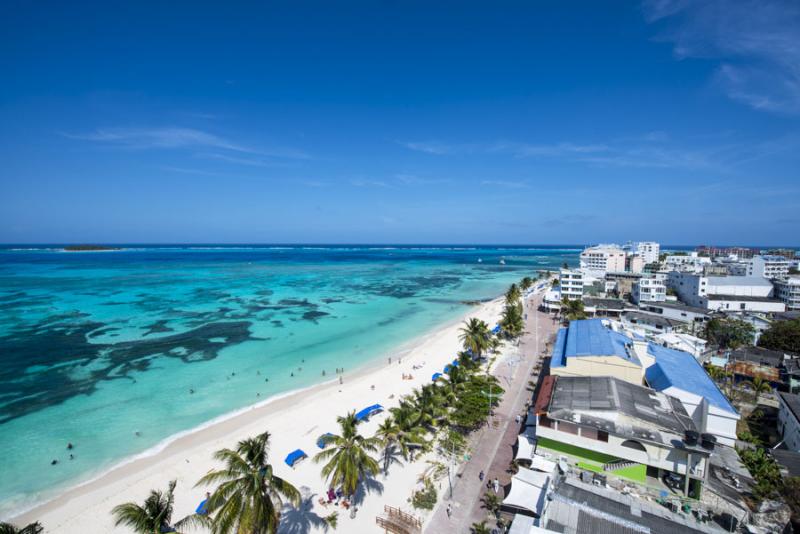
(513,295)
(332,520)
(32,528)
(491,502)
(249,496)
(425,498)
(512,320)
(481,393)
(572,310)
(526,283)
(474,336)
(154,516)
(348,456)
(480,528)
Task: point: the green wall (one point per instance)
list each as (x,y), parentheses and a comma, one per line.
(593,460)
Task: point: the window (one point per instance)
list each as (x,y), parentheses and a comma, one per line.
(569,428)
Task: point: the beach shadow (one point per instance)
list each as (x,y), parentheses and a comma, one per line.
(366,487)
(302,519)
(394,457)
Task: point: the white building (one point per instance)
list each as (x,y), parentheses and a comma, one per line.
(648,250)
(769,266)
(571,283)
(789,420)
(634,264)
(725,293)
(788,291)
(649,290)
(685,342)
(691,263)
(603,258)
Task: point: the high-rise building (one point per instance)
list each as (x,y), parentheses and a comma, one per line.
(604,258)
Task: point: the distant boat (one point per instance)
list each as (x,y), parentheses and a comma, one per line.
(480,260)
(502,262)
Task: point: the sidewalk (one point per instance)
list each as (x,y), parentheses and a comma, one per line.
(492,447)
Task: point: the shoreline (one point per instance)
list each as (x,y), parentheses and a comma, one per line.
(180,454)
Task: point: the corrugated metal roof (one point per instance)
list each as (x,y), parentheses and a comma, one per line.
(591,338)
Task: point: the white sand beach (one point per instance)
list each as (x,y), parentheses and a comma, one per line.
(295,421)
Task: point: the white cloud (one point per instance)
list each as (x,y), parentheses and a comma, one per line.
(756,42)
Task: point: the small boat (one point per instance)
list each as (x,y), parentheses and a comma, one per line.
(480,260)
(502,261)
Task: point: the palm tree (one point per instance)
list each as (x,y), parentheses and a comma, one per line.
(348,460)
(526,283)
(154,517)
(32,528)
(249,496)
(480,528)
(475,336)
(409,431)
(387,432)
(431,406)
(513,294)
(512,321)
(760,386)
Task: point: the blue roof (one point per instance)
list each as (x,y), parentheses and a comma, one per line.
(675,368)
(590,337)
(294,456)
(369,410)
(558,358)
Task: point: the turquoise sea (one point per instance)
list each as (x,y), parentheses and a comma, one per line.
(117,351)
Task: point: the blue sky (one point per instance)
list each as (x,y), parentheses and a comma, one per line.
(413,122)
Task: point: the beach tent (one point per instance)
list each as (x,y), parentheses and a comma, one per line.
(436,376)
(368,411)
(540,463)
(524,448)
(528,489)
(455,362)
(447,368)
(294,457)
(321,440)
(201,508)
(496,329)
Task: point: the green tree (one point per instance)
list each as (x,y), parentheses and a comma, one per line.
(471,408)
(480,528)
(760,386)
(32,528)
(782,336)
(474,336)
(348,459)
(729,333)
(572,310)
(526,283)
(512,320)
(513,294)
(153,517)
(249,496)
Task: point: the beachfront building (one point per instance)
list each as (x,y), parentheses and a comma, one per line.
(622,429)
(740,253)
(649,290)
(725,293)
(571,284)
(678,312)
(551,301)
(603,258)
(648,250)
(769,266)
(687,263)
(788,292)
(680,375)
(591,348)
(789,420)
(647,323)
(577,507)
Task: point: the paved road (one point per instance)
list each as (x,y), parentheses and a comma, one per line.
(492,447)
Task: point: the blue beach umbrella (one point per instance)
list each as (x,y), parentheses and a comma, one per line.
(294,457)
(436,376)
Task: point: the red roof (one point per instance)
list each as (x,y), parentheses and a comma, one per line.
(544,394)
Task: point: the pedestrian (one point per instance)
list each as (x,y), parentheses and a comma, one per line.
(496,485)
(449,511)
(517,419)
(481,475)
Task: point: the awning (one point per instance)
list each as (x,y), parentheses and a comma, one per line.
(524,448)
(294,457)
(368,411)
(540,463)
(436,376)
(523,524)
(528,489)
(321,440)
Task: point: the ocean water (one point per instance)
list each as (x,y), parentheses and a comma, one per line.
(117,351)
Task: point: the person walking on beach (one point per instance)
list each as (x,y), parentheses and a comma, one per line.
(496,485)
(449,511)
(481,475)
